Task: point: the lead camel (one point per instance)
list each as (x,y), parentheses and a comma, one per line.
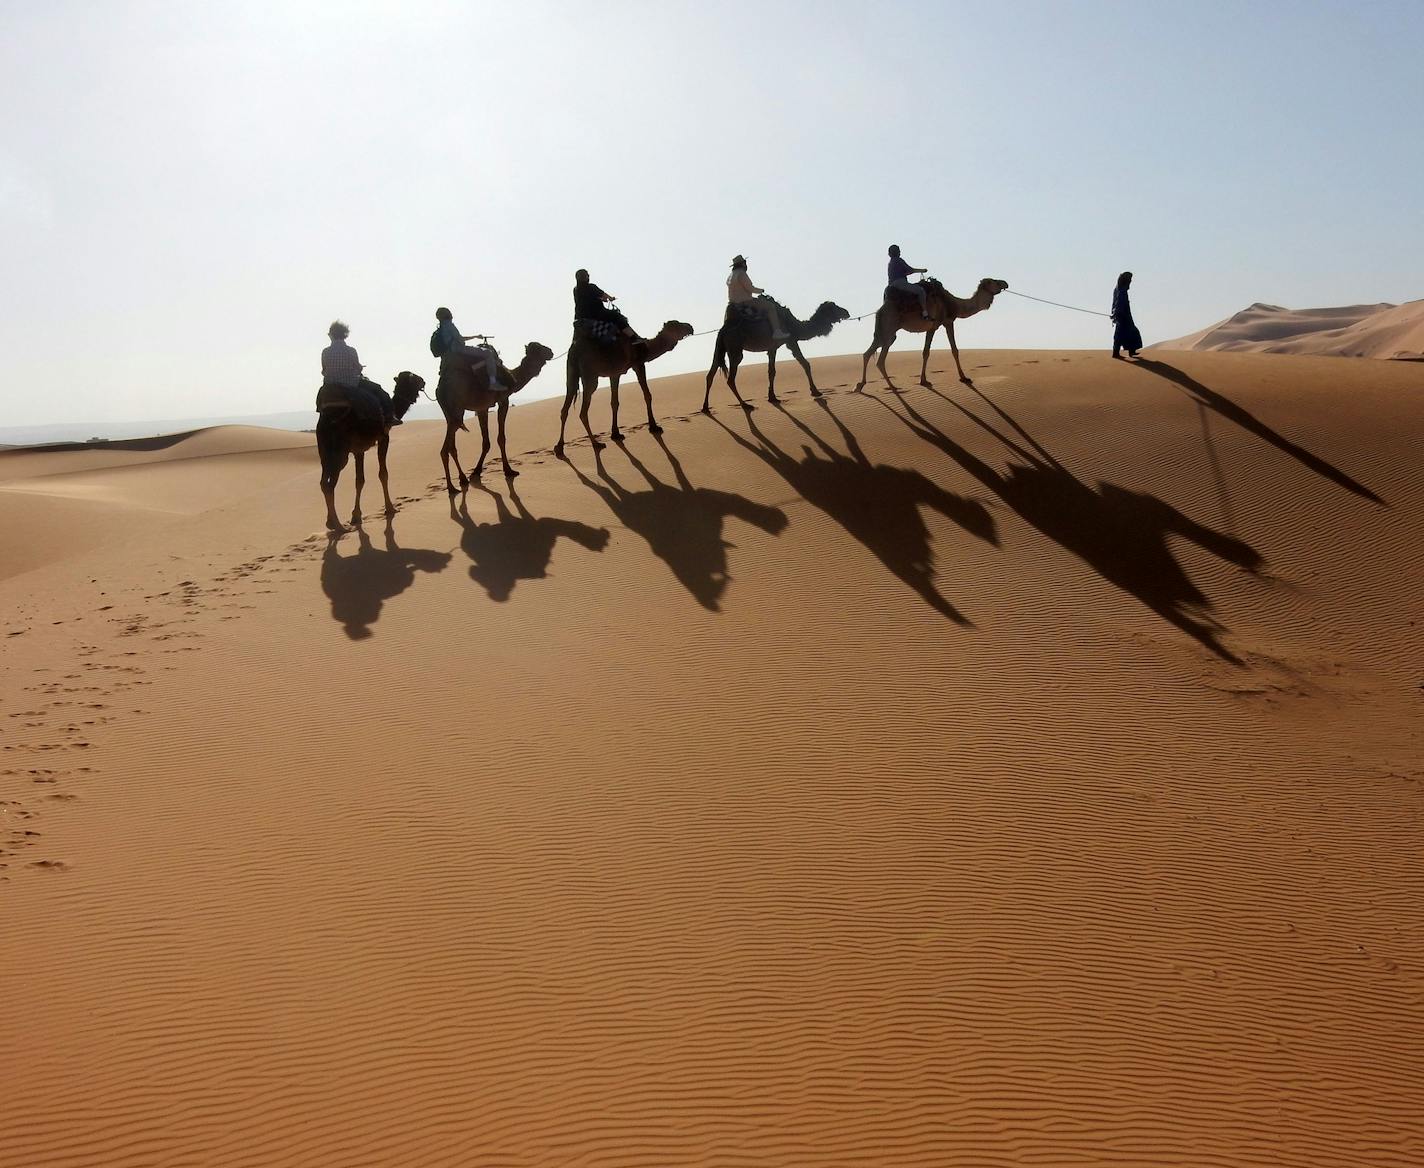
(901,313)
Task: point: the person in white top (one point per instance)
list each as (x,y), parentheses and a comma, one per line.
(741,290)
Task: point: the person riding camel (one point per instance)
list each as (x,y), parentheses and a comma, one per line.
(448,340)
(592,303)
(899,273)
(741,290)
(341,369)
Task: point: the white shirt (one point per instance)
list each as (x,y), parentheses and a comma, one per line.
(340,365)
(740,287)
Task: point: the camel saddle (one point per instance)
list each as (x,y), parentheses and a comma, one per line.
(366,401)
(600,332)
(456,369)
(905,301)
(749,310)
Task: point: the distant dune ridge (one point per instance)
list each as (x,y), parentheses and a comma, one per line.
(1383,331)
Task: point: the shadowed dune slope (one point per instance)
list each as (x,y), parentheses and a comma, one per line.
(1361,330)
(1019,773)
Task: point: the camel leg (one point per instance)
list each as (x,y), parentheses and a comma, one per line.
(455,454)
(954,348)
(925,363)
(383,474)
(509,471)
(446,450)
(484,443)
(771,374)
(641,372)
(331,465)
(616,434)
(865,358)
(805,366)
(590,384)
(880,361)
(360,482)
(719,354)
(569,398)
(734,362)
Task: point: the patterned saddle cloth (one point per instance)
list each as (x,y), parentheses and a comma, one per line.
(601,332)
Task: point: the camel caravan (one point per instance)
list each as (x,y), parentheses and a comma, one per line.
(355,414)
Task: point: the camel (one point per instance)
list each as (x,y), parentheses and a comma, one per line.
(589,360)
(901,313)
(463,388)
(744,332)
(342,431)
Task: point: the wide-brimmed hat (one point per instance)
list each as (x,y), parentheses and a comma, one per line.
(738,260)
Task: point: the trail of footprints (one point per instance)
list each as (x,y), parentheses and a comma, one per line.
(46,747)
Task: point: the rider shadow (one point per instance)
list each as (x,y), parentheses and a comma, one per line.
(1248,421)
(878,504)
(358,586)
(517,545)
(682,524)
(1122,534)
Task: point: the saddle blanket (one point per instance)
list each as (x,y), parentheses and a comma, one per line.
(604,332)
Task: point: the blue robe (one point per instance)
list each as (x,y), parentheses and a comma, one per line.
(1125,334)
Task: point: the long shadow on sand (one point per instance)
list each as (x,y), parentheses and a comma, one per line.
(1248,421)
(517,545)
(682,523)
(358,586)
(878,504)
(1120,533)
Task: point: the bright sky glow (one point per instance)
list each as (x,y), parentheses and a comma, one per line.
(189,193)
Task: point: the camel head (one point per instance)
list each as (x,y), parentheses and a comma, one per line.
(408,387)
(989,288)
(536,356)
(674,331)
(826,317)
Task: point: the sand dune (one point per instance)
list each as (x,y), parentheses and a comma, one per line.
(1388,331)
(1026,773)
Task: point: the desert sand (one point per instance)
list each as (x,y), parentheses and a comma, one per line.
(1026,773)
(1387,331)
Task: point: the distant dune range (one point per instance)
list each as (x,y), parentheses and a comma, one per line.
(1029,773)
(1386,331)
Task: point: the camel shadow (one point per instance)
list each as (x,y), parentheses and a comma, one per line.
(682,524)
(878,504)
(1248,421)
(517,545)
(1120,533)
(358,586)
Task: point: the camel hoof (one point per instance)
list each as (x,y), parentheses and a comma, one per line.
(859,388)
(597,445)
(616,436)
(816,392)
(391,512)
(926,384)
(654,428)
(966,381)
(771,397)
(355,521)
(747,406)
(510,473)
(559,450)
(706,409)
(335,527)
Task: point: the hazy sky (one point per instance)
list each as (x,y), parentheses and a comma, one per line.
(190,192)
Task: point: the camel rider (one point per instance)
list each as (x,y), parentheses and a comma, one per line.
(899,273)
(741,290)
(341,368)
(448,339)
(592,303)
